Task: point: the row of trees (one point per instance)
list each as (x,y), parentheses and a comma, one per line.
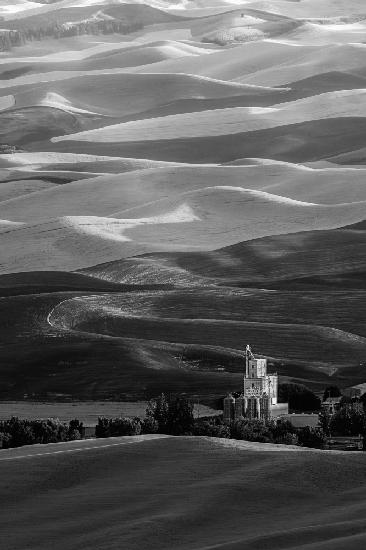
(280,432)
(174,416)
(95,27)
(16,432)
(11,38)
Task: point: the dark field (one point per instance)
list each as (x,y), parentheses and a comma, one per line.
(133,345)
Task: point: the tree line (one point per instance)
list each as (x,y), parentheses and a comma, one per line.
(17,432)
(11,38)
(174,416)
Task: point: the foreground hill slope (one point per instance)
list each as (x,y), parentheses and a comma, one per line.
(143,492)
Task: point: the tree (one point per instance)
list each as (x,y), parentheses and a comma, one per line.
(158,410)
(46,431)
(103,428)
(299,398)
(348,422)
(76,429)
(180,417)
(331,391)
(325,422)
(173,416)
(20,432)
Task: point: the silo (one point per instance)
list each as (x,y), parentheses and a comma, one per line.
(239,408)
(229,409)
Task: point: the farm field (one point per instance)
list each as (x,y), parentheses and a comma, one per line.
(86,412)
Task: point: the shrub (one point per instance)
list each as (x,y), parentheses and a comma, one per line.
(287,438)
(311,437)
(211,427)
(115,427)
(126,426)
(149,426)
(252,430)
(283,432)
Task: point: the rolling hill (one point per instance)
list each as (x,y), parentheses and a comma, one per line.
(214,149)
(332,105)
(124,94)
(301,260)
(297,143)
(211,218)
(139,183)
